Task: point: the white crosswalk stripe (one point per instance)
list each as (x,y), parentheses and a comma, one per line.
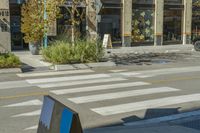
(92,81)
(26,103)
(99,87)
(118,70)
(33,113)
(120,89)
(68,78)
(155,103)
(54,73)
(123,94)
(31,128)
(157,72)
(13,84)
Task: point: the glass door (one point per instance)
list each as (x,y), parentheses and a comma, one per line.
(15,24)
(173,17)
(172,26)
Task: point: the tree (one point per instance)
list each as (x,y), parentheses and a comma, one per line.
(76,16)
(33,22)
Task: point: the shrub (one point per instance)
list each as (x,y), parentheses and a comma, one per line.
(8,60)
(62,52)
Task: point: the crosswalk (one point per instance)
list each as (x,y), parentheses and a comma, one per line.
(123,94)
(90,88)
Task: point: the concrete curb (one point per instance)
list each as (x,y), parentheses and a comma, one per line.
(152,49)
(101,64)
(83,66)
(63,67)
(10,70)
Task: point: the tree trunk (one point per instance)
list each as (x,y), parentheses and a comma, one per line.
(73,22)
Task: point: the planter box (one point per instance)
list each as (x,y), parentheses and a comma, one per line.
(10,70)
(101,64)
(63,67)
(83,66)
(80,66)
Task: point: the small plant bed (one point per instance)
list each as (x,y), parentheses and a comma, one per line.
(9,60)
(63,52)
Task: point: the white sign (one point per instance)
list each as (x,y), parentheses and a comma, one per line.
(107,43)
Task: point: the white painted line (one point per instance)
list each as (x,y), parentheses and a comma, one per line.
(71,78)
(119,70)
(164,119)
(144,76)
(27,103)
(54,73)
(124,94)
(130,73)
(31,128)
(166,71)
(176,50)
(97,88)
(13,84)
(34,113)
(60,84)
(129,107)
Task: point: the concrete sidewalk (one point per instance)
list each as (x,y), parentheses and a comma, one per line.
(153,49)
(32,62)
(35,61)
(156,129)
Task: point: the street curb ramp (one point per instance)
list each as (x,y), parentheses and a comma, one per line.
(58,118)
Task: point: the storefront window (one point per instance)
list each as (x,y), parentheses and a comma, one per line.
(143,21)
(172,28)
(143,1)
(196,19)
(172,25)
(142,25)
(173,1)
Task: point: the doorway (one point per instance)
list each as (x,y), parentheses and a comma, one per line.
(172,27)
(17,42)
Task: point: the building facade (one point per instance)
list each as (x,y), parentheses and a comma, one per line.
(130,22)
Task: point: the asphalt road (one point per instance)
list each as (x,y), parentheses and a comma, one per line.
(102,97)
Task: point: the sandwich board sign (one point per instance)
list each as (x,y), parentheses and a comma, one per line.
(58,118)
(107,42)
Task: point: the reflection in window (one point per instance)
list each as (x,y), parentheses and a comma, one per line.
(173,1)
(172,25)
(142,25)
(3,27)
(196,19)
(143,1)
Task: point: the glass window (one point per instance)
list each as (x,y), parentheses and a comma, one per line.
(142,25)
(143,1)
(172,25)
(3,27)
(173,1)
(196,19)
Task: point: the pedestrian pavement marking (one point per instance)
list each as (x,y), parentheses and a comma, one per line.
(155,103)
(13,84)
(31,128)
(61,84)
(68,78)
(124,94)
(166,71)
(33,113)
(118,70)
(98,88)
(54,73)
(24,95)
(26,103)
